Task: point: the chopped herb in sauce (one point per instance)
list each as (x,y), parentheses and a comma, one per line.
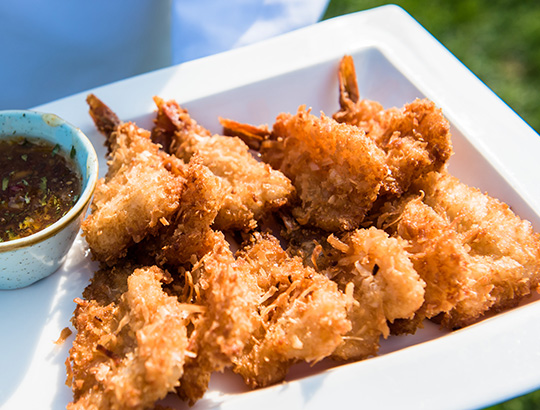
(40,184)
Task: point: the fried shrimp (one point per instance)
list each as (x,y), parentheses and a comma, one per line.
(221,285)
(188,234)
(250,188)
(141,188)
(338,233)
(301,315)
(475,255)
(131,353)
(502,248)
(416,138)
(336,169)
(438,256)
(377,271)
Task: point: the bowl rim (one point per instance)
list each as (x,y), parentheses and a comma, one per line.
(92,166)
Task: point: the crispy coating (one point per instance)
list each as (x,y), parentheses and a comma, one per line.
(504,251)
(132,200)
(130,144)
(439,257)
(263,312)
(223,288)
(385,286)
(337,171)
(301,314)
(473,252)
(379,237)
(141,189)
(250,188)
(128,354)
(188,235)
(333,256)
(416,138)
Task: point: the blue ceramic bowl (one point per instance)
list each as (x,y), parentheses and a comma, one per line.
(26,260)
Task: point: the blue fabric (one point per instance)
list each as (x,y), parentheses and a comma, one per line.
(54,48)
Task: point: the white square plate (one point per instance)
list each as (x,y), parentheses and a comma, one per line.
(396,61)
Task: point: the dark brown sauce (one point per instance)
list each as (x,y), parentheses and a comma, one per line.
(39,183)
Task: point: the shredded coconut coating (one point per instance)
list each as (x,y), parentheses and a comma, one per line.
(337,171)
(503,249)
(141,187)
(384,284)
(415,138)
(128,354)
(301,315)
(250,188)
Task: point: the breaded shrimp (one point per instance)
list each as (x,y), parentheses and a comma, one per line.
(128,355)
(337,171)
(301,314)
(439,257)
(473,252)
(416,138)
(222,287)
(141,189)
(130,203)
(263,312)
(501,246)
(188,235)
(250,188)
(377,270)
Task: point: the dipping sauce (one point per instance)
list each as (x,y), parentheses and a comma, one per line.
(39,183)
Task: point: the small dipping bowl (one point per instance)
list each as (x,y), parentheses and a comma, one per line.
(26,260)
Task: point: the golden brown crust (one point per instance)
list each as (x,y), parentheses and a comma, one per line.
(504,251)
(128,354)
(250,188)
(475,255)
(141,189)
(301,315)
(128,207)
(379,237)
(416,138)
(221,286)
(188,234)
(376,269)
(337,171)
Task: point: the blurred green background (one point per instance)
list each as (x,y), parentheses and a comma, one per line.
(499,41)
